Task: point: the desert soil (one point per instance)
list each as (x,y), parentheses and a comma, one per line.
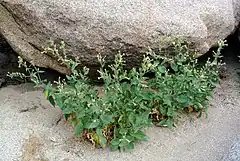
(32,130)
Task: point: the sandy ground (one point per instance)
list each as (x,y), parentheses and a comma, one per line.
(32,130)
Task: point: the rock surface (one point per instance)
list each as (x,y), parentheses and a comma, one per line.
(234,152)
(105,27)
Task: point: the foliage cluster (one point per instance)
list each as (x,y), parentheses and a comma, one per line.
(130,101)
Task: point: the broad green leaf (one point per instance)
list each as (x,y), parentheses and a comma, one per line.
(174,66)
(51,100)
(162,123)
(47,90)
(80,114)
(115,142)
(74,122)
(74,66)
(46,93)
(124,143)
(163,110)
(67,110)
(92,124)
(102,139)
(79,128)
(169,123)
(170,111)
(145,115)
(69,77)
(162,69)
(130,146)
(215,83)
(179,63)
(168,100)
(146,96)
(59,102)
(106,119)
(182,99)
(132,118)
(130,138)
(66,116)
(120,118)
(123,131)
(140,136)
(114,147)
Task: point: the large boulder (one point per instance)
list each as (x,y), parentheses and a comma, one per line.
(108,26)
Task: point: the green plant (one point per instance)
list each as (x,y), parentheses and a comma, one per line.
(31,73)
(184,84)
(131,101)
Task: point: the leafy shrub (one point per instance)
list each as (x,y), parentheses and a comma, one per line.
(184,84)
(131,101)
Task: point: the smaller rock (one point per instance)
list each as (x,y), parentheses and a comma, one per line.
(234,152)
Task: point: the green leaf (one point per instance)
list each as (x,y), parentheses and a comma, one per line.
(123,143)
(182,99)
(79,128)
(130,146)
(162,69)
(186,104)
(179,63)
(140,136)
(132,118)
(170,111)
(80,114)
(114,147)
(69,77)
(162,123)
(163,110)
(102,139)
(74,65)
(120,119)
(67,110)
(74,122)
(214,83)
(66,116)
(123,131)
(138,121)
(51,100)
(145,115)
(130,138)
(92,124)
(147,96)
(168,100)
(174,66)
(106,119)
(115,142)
(169,123)
(46,92)
(59,102)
